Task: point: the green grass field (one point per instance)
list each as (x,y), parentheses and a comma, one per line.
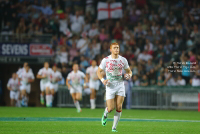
(66,120)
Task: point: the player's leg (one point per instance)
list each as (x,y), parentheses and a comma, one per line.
(48,97)
(119,101)
(92,98)
(78,98)
(23,97)
(110,103)
(11,98)
(17,99)
(42,89)
(76,103)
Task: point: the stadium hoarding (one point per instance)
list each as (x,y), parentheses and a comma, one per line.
(25,49)
(33,60)
(14,49)
(25,52)
(41,50)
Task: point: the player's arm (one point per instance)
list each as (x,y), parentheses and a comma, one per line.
(100,76)
(128,73)
(31,79)
(8,86)
(39,75)
(67,81)
(67,84)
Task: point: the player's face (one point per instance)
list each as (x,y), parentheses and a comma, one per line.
(75,67)
(114,49)
(14,76)
(54,68)
(25,64)
(94,63)
(46,65)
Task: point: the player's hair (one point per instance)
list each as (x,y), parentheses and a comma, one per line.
(114,43)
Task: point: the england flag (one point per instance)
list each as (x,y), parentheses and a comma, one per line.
(109,11)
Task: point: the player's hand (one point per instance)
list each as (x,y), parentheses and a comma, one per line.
(127,76)
(105,82)
(44,76)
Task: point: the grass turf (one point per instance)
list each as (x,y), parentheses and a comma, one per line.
(92,127)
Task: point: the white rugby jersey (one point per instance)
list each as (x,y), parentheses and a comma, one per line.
(13,84)
(92,71)
(76,77)
(48,72)
(21,70)
(25,76)
(114,67)
(55,75)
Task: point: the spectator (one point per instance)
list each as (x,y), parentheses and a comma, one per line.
(185,67)
(117,31)
(144,81)
(63,56)
(160,81)
(144,56)
(136,81)
(77,23)
(93,33)
(180,81)
(149,65)
(169,80)
(84,64)
(103,36)
(82,44)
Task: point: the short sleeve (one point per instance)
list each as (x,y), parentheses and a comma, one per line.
(40,72)
(103,64)
(9,83)
(126,66)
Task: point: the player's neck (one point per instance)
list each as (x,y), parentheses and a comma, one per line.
(114,56)
(75,71)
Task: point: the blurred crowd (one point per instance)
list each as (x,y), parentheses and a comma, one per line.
(154,36)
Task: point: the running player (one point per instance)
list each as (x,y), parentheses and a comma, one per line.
(26,78)
(45,74)
(75,87)
(56,77)
(13,86)
(91,73)
(115,90)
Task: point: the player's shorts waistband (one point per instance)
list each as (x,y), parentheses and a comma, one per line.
(115,84)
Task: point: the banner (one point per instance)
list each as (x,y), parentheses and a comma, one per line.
(26,50)
(14,49)
(41,50)
(107,11)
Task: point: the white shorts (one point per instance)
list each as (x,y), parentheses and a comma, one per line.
(14,95)
(87,91)
(113,90)
(54,86)
(43,85)
(76,90)
(94,85)
(26,87)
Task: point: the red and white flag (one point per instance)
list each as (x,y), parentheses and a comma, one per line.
(107,11)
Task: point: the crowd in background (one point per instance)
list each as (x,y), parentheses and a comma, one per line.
(153,35)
